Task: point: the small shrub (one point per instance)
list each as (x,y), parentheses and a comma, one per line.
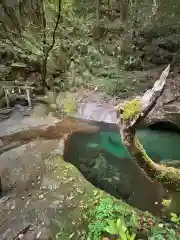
(108,214)
(119,229)
(113,218)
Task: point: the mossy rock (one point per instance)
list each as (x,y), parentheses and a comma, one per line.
(132,109)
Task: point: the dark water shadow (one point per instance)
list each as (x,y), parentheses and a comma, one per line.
(118,174)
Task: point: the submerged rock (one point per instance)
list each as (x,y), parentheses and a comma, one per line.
(108,166)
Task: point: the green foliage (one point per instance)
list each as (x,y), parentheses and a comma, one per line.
(160,232)
(175,218)
(116,218)
(69,105)
(108,209)
(116,86)
(95,230)
(107,214)
(119,228)
(96,60)
(165,202)
(132,62)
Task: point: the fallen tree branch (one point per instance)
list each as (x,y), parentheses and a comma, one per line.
(133,113)
(129,117)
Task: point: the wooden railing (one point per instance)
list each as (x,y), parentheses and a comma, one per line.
(18,89)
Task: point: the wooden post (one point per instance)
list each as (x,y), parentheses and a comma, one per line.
(28,97)
(7,97)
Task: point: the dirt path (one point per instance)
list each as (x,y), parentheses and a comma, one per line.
(41,189)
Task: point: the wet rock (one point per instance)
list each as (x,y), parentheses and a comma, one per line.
(29,202)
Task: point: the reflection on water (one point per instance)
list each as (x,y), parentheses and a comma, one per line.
(103,160)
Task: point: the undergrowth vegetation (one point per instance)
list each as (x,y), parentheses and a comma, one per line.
(113,219)
(93,49)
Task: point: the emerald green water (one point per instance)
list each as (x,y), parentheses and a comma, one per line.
(159,145)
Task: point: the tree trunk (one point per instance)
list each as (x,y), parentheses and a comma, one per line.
(129,117)
(122,7)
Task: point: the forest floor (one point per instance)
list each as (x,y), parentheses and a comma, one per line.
(41,189)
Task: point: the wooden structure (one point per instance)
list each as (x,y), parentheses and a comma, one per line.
(20,87)
(17,89)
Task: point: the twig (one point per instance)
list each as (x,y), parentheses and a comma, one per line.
(44,40)
(23,231)
(98,4)
(172,100)
(51,46)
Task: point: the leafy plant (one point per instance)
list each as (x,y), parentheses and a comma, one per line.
(175,218)
(119,228)
(132,62)
(109,213)
(95,230)
(160,232)
(69,106)
(165,202)
(110,216)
